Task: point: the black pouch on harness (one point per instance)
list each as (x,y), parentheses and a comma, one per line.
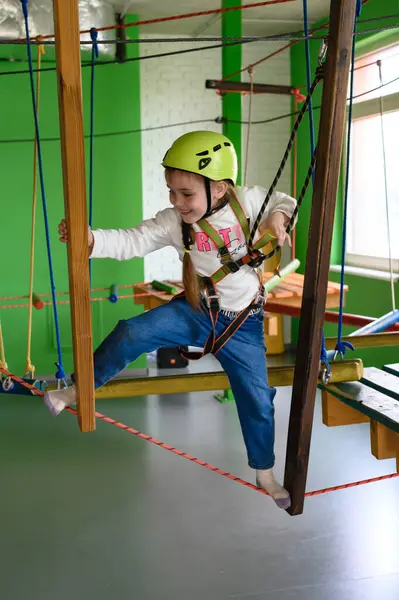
(170,358)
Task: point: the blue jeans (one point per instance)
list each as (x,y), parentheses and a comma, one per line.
(243,358)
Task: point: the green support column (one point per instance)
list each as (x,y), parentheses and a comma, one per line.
(231,62)
(231,103)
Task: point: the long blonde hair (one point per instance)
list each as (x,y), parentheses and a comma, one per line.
(190,278)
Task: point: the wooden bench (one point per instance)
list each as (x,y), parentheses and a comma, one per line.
(375,398)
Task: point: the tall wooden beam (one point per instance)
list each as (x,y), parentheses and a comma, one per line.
(331,130)
(66,24)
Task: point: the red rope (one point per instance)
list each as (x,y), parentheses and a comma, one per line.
(172,18)
(195,460)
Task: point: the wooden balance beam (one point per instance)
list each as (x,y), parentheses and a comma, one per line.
(374,399)
(346,370)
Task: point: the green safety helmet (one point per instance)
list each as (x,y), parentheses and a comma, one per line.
(206,153)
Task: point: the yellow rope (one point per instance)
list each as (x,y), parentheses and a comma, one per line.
(29,368)
(3,363)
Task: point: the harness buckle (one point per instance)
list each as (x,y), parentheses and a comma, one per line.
(212,301)
(233,266)
(256,261)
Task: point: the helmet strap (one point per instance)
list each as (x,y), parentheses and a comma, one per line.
(210,211)
(208,197)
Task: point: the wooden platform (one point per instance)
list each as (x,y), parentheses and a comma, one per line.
(287,293)
(375,398)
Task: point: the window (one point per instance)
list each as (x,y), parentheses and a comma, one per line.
(367,229)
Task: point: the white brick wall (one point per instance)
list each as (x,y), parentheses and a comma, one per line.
(267,142)
(173,90)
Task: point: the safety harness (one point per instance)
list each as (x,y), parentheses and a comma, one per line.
(254,258)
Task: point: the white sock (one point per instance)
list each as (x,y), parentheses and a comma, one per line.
(57,400)
(265,480)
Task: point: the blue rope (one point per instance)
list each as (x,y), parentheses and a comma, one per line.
(341,346)
(60,374)
(323,352)
(94,55)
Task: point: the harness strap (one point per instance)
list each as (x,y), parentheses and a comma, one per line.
(213,344)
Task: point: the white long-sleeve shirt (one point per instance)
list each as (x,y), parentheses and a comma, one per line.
(237,290)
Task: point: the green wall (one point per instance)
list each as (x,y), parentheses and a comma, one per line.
(366,296)
(232,62)
(117,201)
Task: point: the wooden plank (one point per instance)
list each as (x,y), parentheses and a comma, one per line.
(336,413)
(382,381)
(346,370)
(384,442)
(66,26)
(373,340)
(331,130)
(393,369)
(245,87)
(368,401)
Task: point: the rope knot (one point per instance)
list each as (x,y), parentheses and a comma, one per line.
(298,96)
(94,38)
(40,48)
(60,374)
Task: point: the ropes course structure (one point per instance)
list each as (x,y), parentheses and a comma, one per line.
(323,171)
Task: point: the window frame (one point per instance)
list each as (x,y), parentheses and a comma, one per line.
(362,110)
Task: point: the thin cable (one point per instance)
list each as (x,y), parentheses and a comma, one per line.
(217,120)
(283,37)
(174,53)
(135,59)
(60,373)
(379,65)
(179,17)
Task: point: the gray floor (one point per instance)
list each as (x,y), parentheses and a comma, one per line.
(107,516)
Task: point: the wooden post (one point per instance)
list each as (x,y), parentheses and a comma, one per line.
(332,119)
(66,24)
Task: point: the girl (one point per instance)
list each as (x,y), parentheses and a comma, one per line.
(222,308)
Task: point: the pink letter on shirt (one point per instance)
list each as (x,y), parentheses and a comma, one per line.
(202,240)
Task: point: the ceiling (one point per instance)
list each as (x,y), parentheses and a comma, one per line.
(266,20)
